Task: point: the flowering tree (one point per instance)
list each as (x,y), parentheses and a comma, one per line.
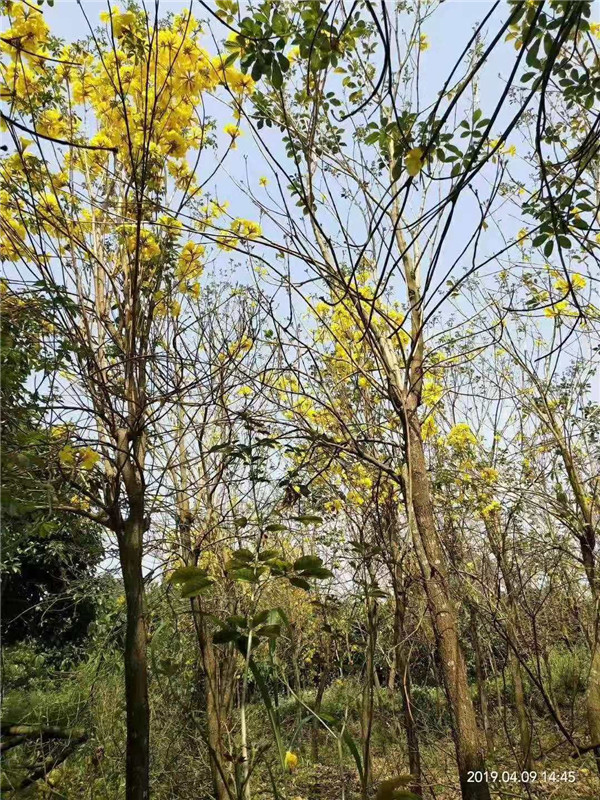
(110,145)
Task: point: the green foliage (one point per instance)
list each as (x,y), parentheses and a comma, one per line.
(48,558)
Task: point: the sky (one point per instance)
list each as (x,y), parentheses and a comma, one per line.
(448,30)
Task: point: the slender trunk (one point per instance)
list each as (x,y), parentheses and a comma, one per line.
(481,685)
(593,701)
(412,737)
(592,697)
(588,509)
(323,678)
(136,664)
(401,671)
(467,739)
(368,699)
(243,726)
(492,526)
(217,702)
(519,697)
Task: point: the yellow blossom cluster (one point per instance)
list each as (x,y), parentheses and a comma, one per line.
(190,264)
(81,457)
(132,105)
(27,32)
(461,437)
(12,230)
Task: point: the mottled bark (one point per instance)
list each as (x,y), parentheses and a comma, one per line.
(368,698)
(481,684)
(218,672)
(469,754)
(400,675)
(136,662)
(492,526)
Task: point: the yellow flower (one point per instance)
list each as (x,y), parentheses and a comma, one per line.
(246,228)
(190,265)
(174,145)
(413,161)
(263,181)
(89,458)
(234,131)
(489,474)
(577,282)
(461,436)
(432,393)
(429,428)
(243,345)
(293,54)
(291,761)
(557,309)
(226,242)
(423,42)
(80,503)
(491,508)
(67,456)
(245,391)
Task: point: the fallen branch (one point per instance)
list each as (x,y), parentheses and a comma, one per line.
(18,734)
(41,732)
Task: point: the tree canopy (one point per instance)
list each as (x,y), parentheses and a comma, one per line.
(299,399)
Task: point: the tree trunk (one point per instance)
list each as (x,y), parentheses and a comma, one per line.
(218,699)
(431,558)
(593,701)
(493,530)
(481,686)
(323,678)
(401,672)
(588,510)
(412,737)
(368,698)
(136,663)
(519,697)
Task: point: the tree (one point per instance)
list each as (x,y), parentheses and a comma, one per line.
(101,224)
(399,227)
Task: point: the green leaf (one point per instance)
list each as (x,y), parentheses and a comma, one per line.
(225,636)
(237,621)
(261,617)
(276,76)
(308,562)
(284,63)
(184,574)
(240,522)
(267,555)
(246,574)
(195,586)
(243,554)
(351,745)
(317,572)
(377,593)
(300,583)
(231,58)
(270,631)
(275,526)
(308,519)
